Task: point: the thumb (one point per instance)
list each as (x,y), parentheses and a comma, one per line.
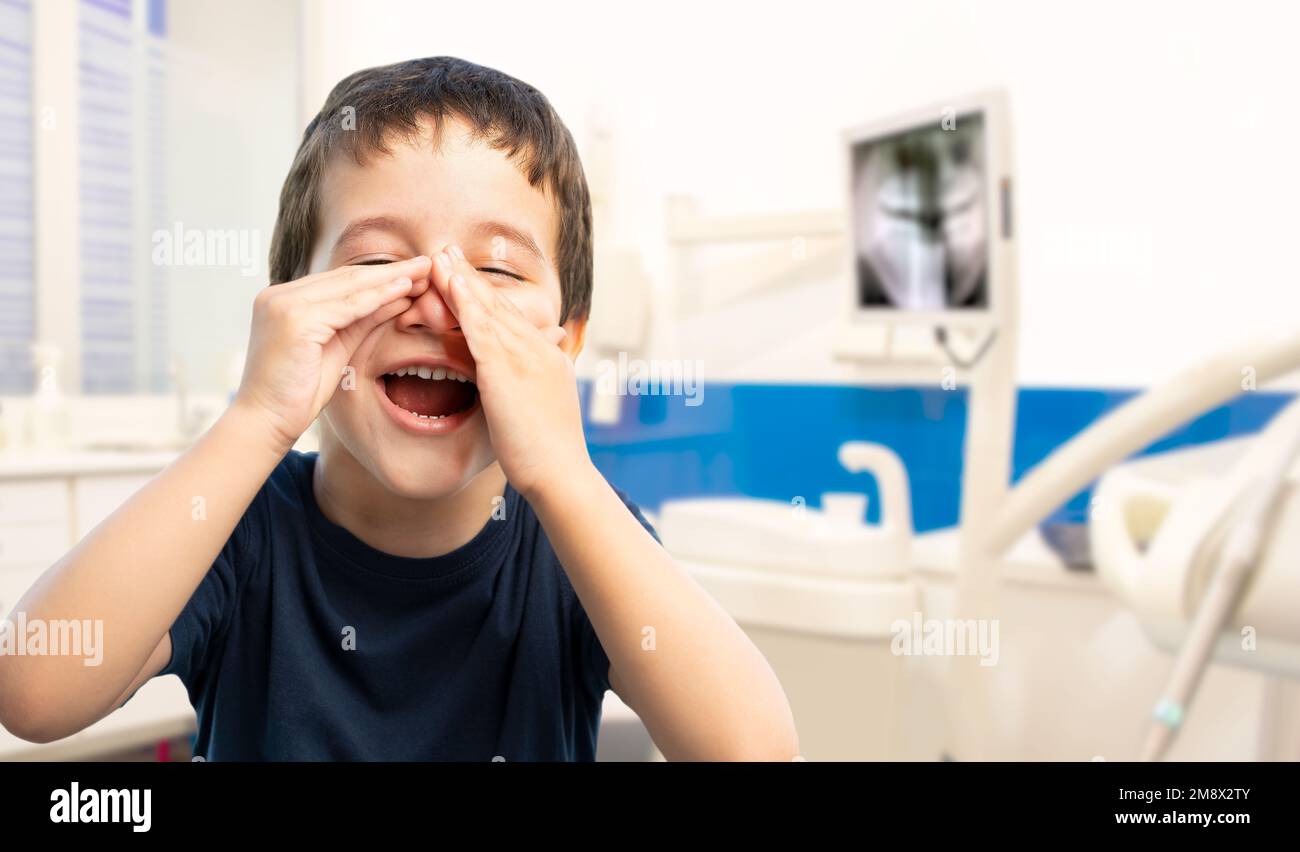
(352,335)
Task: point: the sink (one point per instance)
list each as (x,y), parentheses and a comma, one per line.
(830,542)
(778,535)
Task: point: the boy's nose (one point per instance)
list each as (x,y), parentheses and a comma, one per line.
(429,312)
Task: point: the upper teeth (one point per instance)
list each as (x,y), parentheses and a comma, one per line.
(433,373)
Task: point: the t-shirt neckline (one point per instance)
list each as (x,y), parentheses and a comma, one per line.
(484,549)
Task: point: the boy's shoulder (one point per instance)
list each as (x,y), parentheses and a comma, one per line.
(293,468)
(282,500)
(289,478)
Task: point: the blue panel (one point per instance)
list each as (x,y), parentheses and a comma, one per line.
(780,441)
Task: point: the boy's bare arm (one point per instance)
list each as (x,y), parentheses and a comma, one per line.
(136,570)
(702,688)
(705,692)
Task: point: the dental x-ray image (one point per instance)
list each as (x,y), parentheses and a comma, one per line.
(920,217)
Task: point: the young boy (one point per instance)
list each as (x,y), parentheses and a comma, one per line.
(450,578)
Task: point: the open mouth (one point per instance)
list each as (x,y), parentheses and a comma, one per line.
(430,393)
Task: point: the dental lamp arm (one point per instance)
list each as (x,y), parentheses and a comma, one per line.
(1135,425)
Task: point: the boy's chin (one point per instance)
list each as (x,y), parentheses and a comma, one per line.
(427,481)
(430,469)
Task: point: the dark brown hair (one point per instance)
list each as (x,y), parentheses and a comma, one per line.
(366,109)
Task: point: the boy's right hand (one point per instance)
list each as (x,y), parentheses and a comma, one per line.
(304,333)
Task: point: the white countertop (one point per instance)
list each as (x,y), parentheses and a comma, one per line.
(1029,561)
(32,464)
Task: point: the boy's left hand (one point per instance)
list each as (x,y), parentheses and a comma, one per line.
(526,382)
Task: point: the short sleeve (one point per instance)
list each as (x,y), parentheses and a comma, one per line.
(593,653)
(202,624)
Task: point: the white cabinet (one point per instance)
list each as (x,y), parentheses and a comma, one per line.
(32,544)
(40,500)
(34,522)
(35,527)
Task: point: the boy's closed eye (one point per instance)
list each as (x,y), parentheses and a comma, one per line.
(487,270)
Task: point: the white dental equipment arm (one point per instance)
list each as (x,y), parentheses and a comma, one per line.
(1135,425)
(998,518)
(1279,447)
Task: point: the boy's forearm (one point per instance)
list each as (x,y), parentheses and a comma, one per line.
(136,570)
(701,687)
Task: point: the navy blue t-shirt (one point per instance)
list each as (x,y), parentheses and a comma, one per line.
(304,643)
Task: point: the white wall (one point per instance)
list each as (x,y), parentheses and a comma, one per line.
(233,129)
(1156,181)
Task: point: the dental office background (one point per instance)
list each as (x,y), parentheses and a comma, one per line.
(143,144)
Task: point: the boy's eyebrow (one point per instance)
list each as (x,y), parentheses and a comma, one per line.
(361,227)
(485,229)
(490,228)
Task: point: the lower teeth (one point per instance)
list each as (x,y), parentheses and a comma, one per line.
(432,416)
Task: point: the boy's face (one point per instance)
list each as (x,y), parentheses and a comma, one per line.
(421,437)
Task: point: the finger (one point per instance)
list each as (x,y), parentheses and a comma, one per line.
(440,280)
(504,310)
(382,314)
(419,286)
(344,311)
(514,334)
(478,285)
(516,329)
(340,282)
(355,333)
(450,262)
(554,334)
(479,327)
(377,272)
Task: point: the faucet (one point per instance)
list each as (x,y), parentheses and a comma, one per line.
(891,480)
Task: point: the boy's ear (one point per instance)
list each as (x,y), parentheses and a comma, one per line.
(576,335)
